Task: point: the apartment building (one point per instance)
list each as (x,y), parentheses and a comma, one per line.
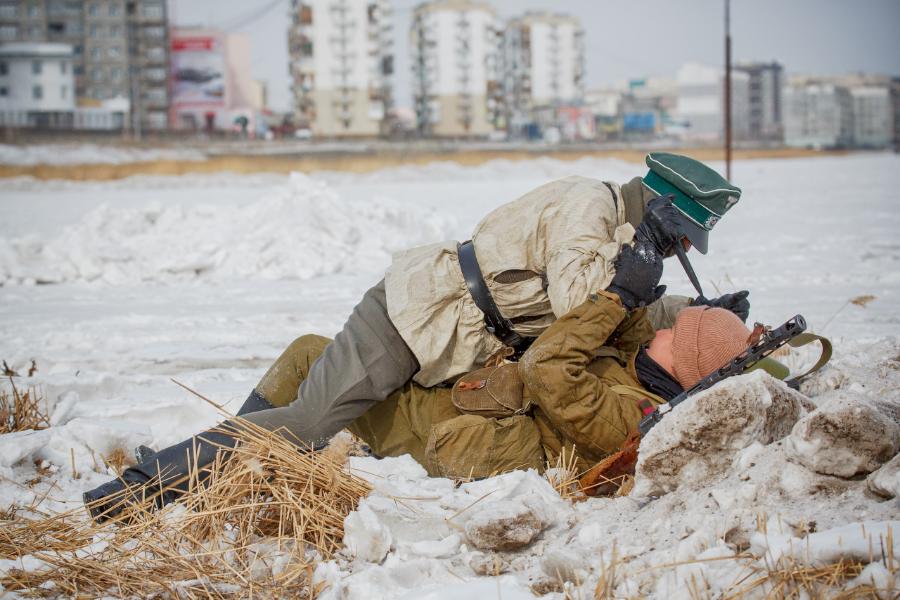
(341,66)
(873,115)
(701,102)
(818,114)
(455,47)
(121,48)
(764,85)
(543,65)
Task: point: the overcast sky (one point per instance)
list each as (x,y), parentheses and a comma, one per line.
(625,39)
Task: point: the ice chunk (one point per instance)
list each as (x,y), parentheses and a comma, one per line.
(698,441)
(845,436)
(886,480)
(503,525)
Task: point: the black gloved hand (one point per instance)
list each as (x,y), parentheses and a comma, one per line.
(638,270)
(661,225)
(736,303)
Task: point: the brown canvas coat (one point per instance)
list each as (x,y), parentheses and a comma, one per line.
(580,375)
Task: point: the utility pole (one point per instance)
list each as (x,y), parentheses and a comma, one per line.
(728,90)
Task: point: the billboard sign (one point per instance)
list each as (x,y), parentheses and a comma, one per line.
(198,71)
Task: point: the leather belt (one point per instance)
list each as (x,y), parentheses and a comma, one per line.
(498,325)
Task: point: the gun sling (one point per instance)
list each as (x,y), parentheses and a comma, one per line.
(498,325)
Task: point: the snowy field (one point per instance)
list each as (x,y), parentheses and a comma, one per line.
(114,288)
(83,154)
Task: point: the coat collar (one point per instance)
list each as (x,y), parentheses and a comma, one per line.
(635,196)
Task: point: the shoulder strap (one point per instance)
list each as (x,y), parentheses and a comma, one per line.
(779,370)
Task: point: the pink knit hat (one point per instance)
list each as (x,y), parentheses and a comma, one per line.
(705,339)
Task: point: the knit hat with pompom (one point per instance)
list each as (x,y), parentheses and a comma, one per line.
(705,338)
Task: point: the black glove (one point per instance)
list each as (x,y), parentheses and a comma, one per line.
(736,303)
(638,270)
(661,225)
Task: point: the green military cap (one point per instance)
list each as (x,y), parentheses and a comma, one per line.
(701,194)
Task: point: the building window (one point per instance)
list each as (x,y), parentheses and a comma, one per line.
(79,71)
(116,74)
(114,52)
(115,31)
(4,68)
(8,10)
(63,92)
(63,67)
(95,53)
(37,67)
(37,92)
(96,75)
(152,11)
(155,32)
(78,49)
(8,32)
(33,10)
(4,92)
(114,9)
(93,9)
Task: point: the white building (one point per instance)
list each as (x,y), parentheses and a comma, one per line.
(543,64)
(455,47)
(817,114)
(873,125)
(701,102)
(341,64)
(37,85)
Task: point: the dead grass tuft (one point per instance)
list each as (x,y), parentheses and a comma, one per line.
(118,460)
(22,411)
(254,529)
(862,300)
(564,475)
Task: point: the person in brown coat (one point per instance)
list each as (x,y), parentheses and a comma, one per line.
(580,389)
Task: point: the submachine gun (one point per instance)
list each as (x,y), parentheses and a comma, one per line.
(607,476)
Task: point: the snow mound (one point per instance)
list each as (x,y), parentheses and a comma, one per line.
(301,231)
(82,154)
(698,440)
(845,436)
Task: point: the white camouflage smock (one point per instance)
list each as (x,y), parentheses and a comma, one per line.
(567,232)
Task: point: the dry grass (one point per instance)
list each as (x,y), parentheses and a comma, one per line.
(255,529)
(22,411)
(354,162)
(801,581)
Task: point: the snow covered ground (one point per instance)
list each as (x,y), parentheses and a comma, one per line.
(113,288)
(82,154)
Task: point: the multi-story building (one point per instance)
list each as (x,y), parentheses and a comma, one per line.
(872,116)
(543,65)
(455,47)
(818,113)
(701,102)
(36,85)
(120,48)
(341,63)
(764,99)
